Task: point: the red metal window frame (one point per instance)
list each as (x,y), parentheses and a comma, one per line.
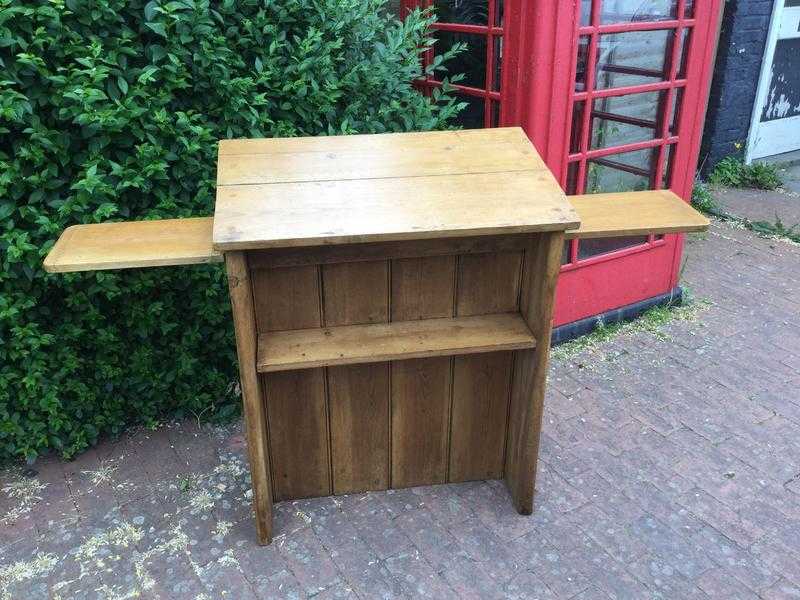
(679,50)
(491,32)
(540,51)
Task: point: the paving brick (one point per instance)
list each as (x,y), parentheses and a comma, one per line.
(739,563)
(781,590)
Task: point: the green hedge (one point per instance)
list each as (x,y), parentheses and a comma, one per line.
(111,109)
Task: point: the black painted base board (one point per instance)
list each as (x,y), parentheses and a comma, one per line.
(570,331)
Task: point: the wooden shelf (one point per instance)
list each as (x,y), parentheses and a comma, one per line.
(133,244)
(634,213)
(307,348)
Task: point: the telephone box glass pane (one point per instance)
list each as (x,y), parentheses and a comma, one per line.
(626,172)
(631,58)
(471,62)
(472,12)
(631,11)
(625,119)
(588,248)
(472,117)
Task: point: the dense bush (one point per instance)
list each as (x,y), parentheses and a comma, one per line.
(111,109)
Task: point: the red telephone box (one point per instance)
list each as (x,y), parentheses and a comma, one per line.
(613,94)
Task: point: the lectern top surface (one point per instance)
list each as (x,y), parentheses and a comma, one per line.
(292,192)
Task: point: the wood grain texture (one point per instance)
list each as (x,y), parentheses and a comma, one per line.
(358,395)
(359,415)
(350,344)
(298,423)
(634,213)
(488,283)
(255,418)
(446,158)
(481,385)
(133,244)
(355,293)
(423,288)
(540,275)
(291,257)
(287,298)
(375,210)
(375,157)
(420,421)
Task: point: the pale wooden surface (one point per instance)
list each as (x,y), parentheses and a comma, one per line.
(351,189)
(133,244)
(634,213)
(284,160)
(306,348)
(255,417)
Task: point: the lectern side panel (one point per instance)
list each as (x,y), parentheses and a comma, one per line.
(359,415)
(255,418)
(481,387)
(289,298)
(487,283)
(358,395)
(420,421)
(540,275)
(298,424)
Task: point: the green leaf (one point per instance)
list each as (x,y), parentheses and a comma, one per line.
(6,208)
(150,10)
(159,28)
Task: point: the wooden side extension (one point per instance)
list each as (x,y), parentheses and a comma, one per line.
(634,213)
(133,244)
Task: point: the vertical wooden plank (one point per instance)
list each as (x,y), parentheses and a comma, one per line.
(488,283)
(420,421)
(298,422)
(480,405)
(358,395)
(287,298)
(255,419)
(356,292)
(540,275)
(422,288)
(359,416)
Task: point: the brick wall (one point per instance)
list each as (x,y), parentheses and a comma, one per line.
(741,46)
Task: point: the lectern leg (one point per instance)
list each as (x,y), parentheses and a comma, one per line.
(255,418)
(539,277)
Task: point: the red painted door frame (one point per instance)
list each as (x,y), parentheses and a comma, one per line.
(540,41)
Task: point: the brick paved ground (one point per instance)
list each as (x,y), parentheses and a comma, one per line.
(670,468)
(757,205)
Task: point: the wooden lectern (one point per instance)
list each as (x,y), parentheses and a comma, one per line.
(392,300)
